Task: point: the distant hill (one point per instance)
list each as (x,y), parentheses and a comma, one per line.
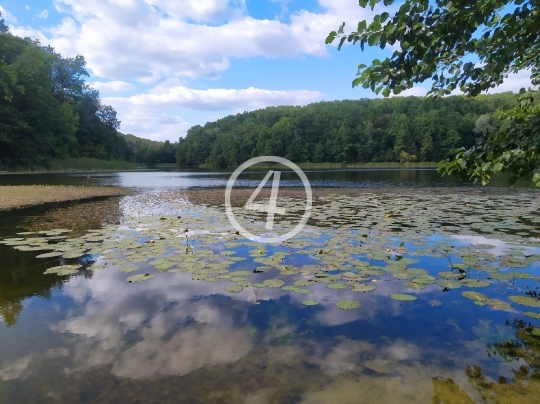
(399,129)
(139,140)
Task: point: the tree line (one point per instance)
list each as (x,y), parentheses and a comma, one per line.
(48,111)
(400,129)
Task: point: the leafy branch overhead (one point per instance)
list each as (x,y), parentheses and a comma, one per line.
(466,45)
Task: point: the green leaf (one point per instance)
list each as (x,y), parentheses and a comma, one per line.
(373,39)
(330,38)
(361,26)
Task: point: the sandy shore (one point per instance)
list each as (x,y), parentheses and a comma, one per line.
(18,197)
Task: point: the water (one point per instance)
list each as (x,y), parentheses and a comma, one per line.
(93,337)
(210,179)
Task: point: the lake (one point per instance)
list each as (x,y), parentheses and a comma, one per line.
(402,287)
(159,180)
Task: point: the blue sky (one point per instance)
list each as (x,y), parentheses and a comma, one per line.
(166,65)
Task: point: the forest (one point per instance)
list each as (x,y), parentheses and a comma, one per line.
(49,112)
(399,129)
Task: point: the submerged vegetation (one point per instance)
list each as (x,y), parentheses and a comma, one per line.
(349,250)
(363,298)
(19,197)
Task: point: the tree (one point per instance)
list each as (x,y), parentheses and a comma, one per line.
(438,42)
(4,29)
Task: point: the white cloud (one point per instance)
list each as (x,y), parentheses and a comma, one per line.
(514,82)
(218,98)
(43,14)
(112,86)
(27,7)
(6,15)
(415,91)
(149,114)
(192,38)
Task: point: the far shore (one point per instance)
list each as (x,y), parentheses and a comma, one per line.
(24,196)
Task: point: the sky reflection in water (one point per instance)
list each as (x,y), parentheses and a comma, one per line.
(97,338)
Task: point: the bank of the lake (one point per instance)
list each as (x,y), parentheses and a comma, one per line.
(17,197)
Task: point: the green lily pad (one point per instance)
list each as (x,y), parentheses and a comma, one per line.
(62,268)
(525,301)
(310,302)
(477,296)
(244,284)
(416,286)
(50,255)
(233,288)
(448,283)
(402,296)
(303,282)
(73,254)
(241,273)
(498,304)
(302,291)
(139,278)
(288,288)
(450,274)
(348,304)
(258,285)
(535,332)
(363,287)
(128,268)
(532,314)
(475,283)
(274,283)
(336,286)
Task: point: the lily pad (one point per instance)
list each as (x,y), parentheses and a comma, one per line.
(139,278)
(233,288)
(274,283)
(477,296)
(62,268)
(129,268)
(525,301)
(73,254)
(448,283)
(363,287)
(348,304)
(336,286)
(402,296)
(302,291)
(475,283)
(532,314)
(310,302)
(50,255)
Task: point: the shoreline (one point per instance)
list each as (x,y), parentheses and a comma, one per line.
(25,196)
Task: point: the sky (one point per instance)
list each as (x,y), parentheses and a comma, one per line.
(167,65)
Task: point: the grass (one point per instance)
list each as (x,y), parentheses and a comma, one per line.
(81,164)
(329,166)
(166,165)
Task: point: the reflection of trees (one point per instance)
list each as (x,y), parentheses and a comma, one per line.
(525,386)
(9,311)
(21,275)
(19,280)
